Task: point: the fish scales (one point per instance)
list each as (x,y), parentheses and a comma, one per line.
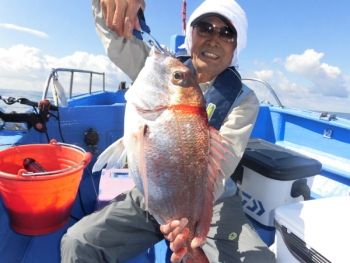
(167,141)
(179,176)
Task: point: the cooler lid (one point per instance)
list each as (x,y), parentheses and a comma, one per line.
(323,224)
(276,162)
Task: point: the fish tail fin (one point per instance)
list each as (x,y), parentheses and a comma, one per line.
(195,255)
(114,156)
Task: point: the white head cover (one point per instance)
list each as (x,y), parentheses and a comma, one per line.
(229,9)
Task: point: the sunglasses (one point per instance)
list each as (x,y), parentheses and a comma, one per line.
(206,29)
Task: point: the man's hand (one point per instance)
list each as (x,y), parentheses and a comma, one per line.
(176,232)
(121,15)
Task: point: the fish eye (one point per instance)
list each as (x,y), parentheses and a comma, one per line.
(178,77)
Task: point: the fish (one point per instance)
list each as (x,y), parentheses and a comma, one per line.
(172,153)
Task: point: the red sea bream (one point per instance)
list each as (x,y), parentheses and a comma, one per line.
(172,153)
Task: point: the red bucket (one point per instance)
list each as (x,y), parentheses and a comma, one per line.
(40,203)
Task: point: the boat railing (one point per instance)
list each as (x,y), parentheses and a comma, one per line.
(269,88)
(54,72)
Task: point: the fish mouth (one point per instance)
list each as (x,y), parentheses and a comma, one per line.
(159,56)
(155,53)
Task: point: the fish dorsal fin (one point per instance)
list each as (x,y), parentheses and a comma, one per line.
(216,155)
(142,162)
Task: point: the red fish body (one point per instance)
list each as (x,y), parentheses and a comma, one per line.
(173,155)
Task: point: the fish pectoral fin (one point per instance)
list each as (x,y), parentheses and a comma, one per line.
(114,156)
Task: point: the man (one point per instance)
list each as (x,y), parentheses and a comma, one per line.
(215,35)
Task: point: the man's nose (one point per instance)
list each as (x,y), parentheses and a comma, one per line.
(214,38)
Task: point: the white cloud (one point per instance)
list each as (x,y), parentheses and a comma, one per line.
(288,92)
(266,75)
(294,91)
(327,79)
(347,83)
(25,29)
(27,68)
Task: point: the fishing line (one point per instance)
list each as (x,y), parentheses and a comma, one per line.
(94,186)
(75,218)
(81,198)
(59,123)
(81,202)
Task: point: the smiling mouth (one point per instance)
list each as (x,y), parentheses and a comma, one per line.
(210,55)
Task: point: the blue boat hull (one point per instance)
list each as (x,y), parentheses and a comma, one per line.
(303,131)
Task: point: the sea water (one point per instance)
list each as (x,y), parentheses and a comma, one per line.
(18,94)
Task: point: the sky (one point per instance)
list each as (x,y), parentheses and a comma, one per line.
(301,48)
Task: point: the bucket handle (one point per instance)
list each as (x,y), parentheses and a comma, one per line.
(54,142)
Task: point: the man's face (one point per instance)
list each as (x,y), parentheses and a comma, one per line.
(211,55)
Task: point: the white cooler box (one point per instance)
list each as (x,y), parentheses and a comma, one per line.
(314,231)
(272,176)
(113,182)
